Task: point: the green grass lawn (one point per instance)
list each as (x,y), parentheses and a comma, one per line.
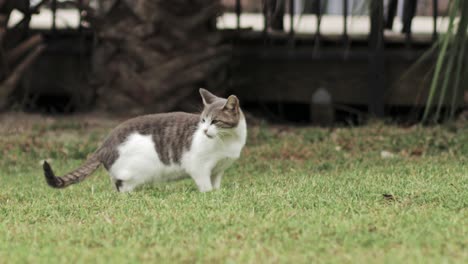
(297,195)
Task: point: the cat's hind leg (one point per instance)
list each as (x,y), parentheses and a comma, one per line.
(216,180)
(118,184)
(124,182)
(125,186)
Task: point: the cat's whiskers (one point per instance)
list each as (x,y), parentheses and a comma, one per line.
(222,135)
(226,132)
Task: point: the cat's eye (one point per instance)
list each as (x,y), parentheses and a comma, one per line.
(203,120)
(214,122)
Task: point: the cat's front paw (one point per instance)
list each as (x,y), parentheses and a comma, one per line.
(205,188)
(204,184)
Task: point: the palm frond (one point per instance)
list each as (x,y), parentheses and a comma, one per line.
(449,65)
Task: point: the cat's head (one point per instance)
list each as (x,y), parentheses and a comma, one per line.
(220,116)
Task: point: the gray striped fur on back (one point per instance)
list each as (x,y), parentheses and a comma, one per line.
(172,135)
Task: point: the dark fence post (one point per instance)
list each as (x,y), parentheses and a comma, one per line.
(275,14)
(409,11)
(391,12)
(376,89)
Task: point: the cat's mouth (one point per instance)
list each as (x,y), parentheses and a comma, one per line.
(208,136)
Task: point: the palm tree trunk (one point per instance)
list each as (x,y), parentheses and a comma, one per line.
(152,54)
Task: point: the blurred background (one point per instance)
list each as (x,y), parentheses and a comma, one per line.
(301,61)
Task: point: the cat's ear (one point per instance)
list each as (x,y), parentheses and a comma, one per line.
(207,97)
(232,103)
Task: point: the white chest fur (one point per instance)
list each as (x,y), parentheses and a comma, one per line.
(215,153)
(139,162)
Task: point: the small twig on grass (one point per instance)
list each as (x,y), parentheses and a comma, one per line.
(389,197)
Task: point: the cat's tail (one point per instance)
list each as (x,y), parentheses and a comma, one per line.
(79,174)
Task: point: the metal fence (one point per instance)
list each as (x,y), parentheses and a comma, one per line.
(376,8)
(376,40)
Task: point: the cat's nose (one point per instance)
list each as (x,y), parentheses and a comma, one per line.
(205,130)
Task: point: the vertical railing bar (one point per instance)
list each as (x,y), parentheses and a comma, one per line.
(54,15)
(265,17)
(318,8)
(409,9)
(408,6)
(434,19)
(345,20)
(319,16)
(408,39)
(291,19)
(392,7)
(376,88)
(80,11)
(345,29)
(238,14)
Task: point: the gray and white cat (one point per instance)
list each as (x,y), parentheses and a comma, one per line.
(171,146)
